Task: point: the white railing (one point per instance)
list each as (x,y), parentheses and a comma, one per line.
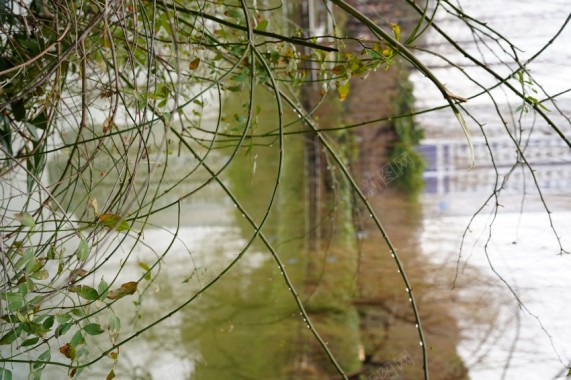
(448,165)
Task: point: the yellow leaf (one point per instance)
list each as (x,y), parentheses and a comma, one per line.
(343,91)
(125,290)
(396,30)
(114,222)
(193,65)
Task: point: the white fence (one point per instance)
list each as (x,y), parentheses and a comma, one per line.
(448,165)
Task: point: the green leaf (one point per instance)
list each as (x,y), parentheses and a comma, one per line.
(63,328)
(51,253)
(102,289)
(114,323)
(63,318)
(147,270)
(11,336)
(241,77)
(114,222)
(234,13)
(77,339)
(16,305)
(234,88)
(37,300)
(44,357)
(532,99)
(539,104)
(14,300)
(34,328)
(87,292)
(111,375)
(40,121)
(40,275)
(49,322)
(125,289)
(82,250)
(32,266)
(10,318)
(30,342)
(23,289)
(93,329)
(26,219)
(262,25)
(163,103)
(36,374)
(22,261)
(5,374)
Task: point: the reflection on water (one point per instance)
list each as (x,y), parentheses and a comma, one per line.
(514,253)
(247,325)
(522,342)
(448,159)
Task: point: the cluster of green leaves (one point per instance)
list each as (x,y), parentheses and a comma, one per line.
(31,319)
(530,92)
(33,313)
(408,135)
(369,59)
(21,96)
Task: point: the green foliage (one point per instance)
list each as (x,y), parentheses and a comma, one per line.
(407,161)
(410,166)
(114,222)
(93,329)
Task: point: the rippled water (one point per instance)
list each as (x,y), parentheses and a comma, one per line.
(516,251)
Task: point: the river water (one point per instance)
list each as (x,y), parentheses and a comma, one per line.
(247,325)
(517,327)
